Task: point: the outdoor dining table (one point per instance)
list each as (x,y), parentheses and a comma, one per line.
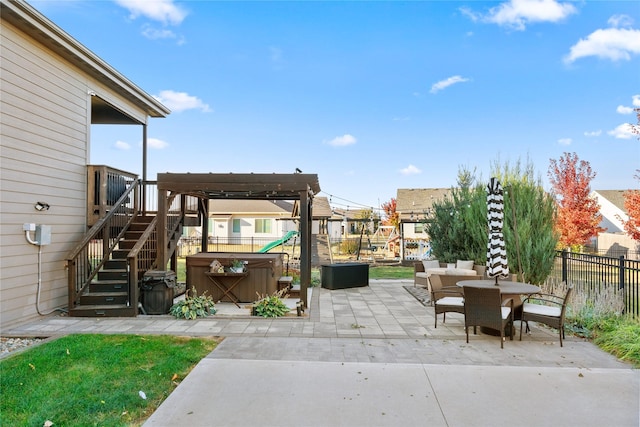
(508,289)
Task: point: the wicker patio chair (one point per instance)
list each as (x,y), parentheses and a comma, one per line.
(546,308)
(484,307)
(445,299)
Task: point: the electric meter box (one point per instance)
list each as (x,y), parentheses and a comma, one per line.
(43,234)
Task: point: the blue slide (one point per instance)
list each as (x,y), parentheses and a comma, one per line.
(275,243)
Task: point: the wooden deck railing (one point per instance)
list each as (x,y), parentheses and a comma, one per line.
(88,257)
(105,185)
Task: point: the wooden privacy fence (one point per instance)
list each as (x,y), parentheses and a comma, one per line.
(594,273)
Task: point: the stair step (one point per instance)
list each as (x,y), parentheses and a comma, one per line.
(108,286)
(126,244)
(115,274)
(120,253)
(118,310)
(116,264)
(133,234)
(104,298)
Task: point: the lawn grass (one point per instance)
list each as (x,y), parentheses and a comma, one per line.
(90,380)
(390,272)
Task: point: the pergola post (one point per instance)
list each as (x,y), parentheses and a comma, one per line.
(162,231)
(305,245)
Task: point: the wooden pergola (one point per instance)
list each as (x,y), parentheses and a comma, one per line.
(206,186)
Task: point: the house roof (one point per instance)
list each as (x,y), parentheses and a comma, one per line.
(250,207)
(27,19)
(321,208)
(615,197)
(353,214)
(415,203)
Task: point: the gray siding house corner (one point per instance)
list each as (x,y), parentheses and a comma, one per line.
(52,90)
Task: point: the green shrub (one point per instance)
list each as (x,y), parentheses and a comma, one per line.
(349,246)
(193,306)
(271,305)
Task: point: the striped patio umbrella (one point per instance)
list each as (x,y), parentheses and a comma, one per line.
(497,265)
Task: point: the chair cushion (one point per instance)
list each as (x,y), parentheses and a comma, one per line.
(460,272)
(466,265)
(422,274)
(543,310)
(505,312)
(455,301)
(430,263)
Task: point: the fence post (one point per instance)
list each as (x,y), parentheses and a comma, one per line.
(564,265)
(621,272)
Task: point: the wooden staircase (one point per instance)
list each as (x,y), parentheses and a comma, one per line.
(108,294)
(320,250)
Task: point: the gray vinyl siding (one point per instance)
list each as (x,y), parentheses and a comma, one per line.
(44,133)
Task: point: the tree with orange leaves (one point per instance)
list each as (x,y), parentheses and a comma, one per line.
(578,214)
(632,206)
(391,215)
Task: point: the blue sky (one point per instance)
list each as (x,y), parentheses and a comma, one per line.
(371,96)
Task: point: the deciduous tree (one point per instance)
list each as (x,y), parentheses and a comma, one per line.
(579,215)
(392,217)
(632,206)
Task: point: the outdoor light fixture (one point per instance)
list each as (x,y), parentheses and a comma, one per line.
(42,206)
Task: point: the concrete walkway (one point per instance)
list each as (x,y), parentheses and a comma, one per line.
(371,356)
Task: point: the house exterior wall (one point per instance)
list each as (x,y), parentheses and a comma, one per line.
(45,120)
(612,216)
(617,244)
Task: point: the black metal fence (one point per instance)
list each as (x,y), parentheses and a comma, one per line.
(596,273)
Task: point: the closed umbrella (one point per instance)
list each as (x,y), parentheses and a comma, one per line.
(497,265)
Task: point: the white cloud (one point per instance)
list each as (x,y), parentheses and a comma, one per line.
(620,21)
(165,11)
(342,141)
(443,84)
(611,43)
(593,133)
(410,170)
(121,145)
(624,110)
(565,141)
(154,33)
(622,131)
(181,101)
(156,143)
(516,14)
(636,100)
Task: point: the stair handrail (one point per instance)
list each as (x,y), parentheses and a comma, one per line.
(142,257)
(87,257)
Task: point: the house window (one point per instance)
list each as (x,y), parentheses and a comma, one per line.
(418,227)
(263,226)
(236,225)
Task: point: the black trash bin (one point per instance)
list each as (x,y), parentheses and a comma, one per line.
(157,291)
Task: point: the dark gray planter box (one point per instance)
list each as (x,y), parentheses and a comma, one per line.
(345,275)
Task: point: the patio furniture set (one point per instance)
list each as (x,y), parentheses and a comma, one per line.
(492,305)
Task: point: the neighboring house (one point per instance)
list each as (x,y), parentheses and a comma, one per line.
(250,218)
(238,218)
(614,241)
(52,89)
(352,221)
(414,207)
(323,218)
